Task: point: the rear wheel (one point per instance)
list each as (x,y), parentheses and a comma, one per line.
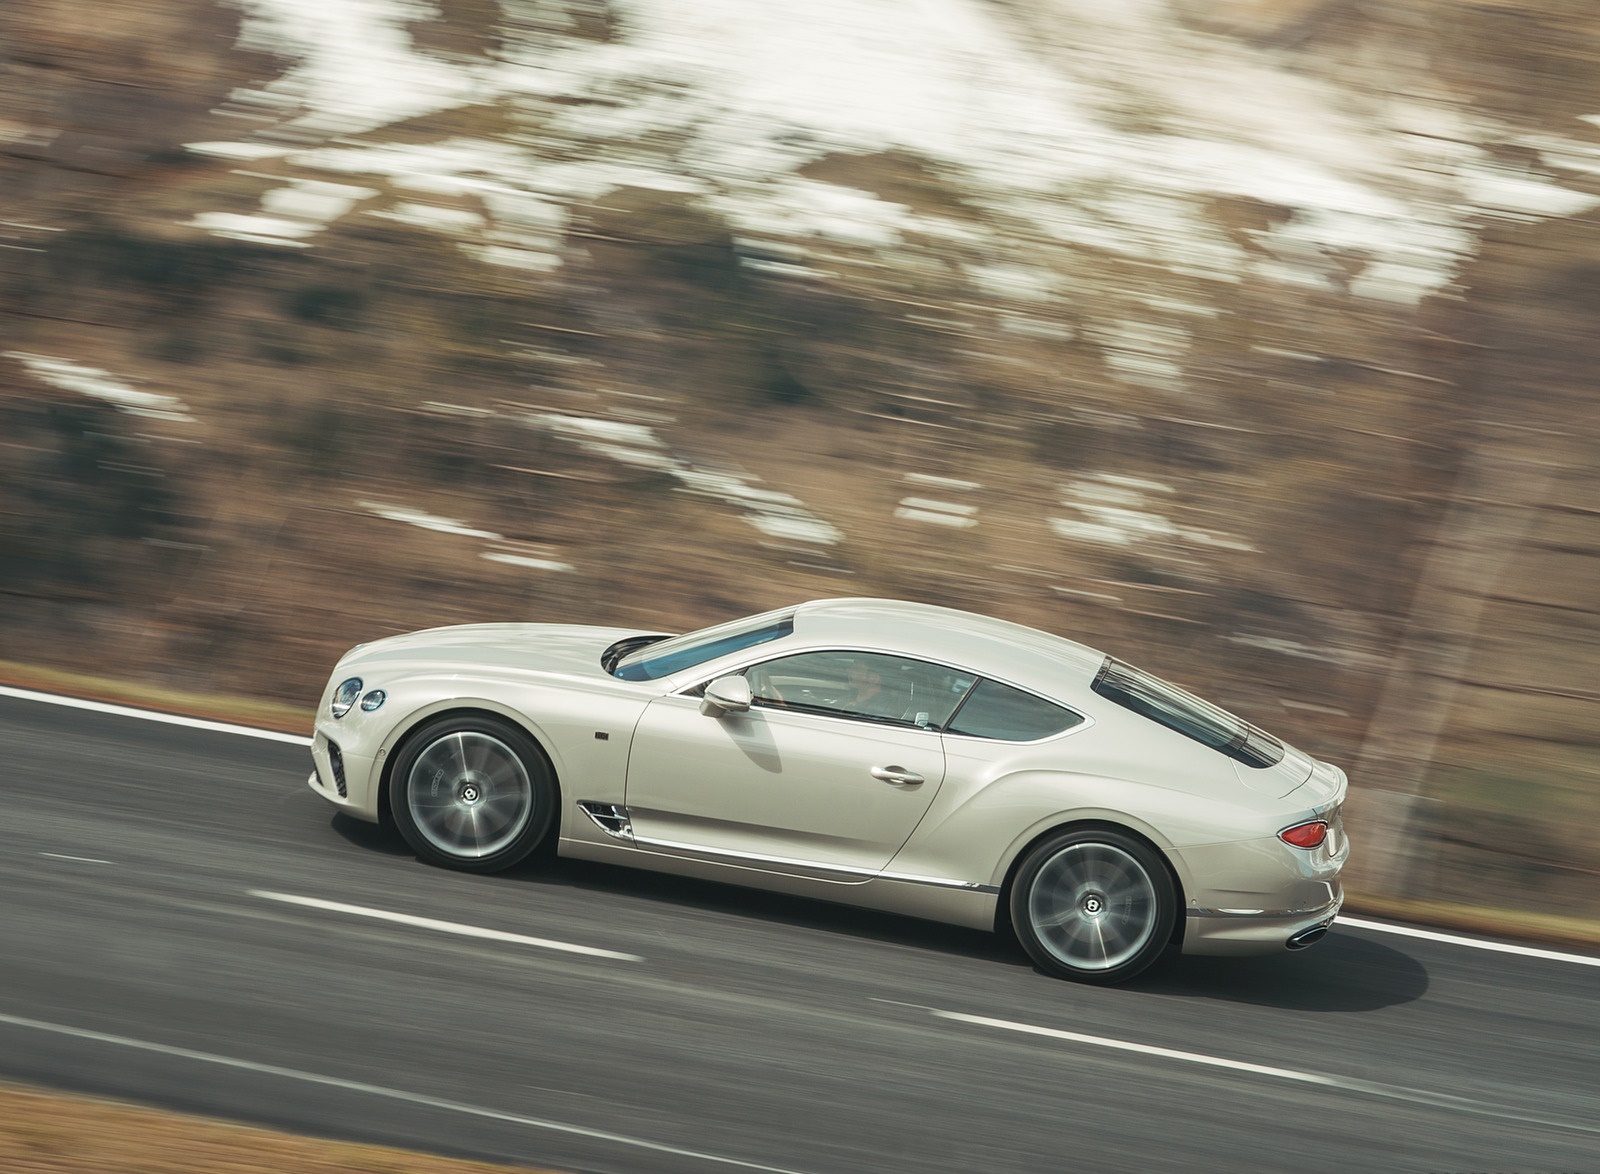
(1093,905)
(471,792)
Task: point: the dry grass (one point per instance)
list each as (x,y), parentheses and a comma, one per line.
(49,1133)
(244,711)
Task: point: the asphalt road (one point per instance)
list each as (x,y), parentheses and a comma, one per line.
(715,1029)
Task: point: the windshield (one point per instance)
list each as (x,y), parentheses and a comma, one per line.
(684,652)
(1187,714)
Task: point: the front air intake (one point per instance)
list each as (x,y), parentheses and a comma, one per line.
(336,760)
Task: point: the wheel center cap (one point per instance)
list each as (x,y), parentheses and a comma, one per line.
(472,788)
(1094,904)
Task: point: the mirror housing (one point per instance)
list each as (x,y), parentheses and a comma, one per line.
(725,695)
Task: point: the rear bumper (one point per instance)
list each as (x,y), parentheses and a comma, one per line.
(1255,931)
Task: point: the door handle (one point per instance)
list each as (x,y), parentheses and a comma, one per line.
(897,776)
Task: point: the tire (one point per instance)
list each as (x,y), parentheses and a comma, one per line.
(471,792)
(1093,905)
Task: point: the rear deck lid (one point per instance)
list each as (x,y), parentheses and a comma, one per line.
(1288,774)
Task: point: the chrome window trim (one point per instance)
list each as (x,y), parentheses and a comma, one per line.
(1087,722)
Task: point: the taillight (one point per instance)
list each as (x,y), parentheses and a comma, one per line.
(1305,835)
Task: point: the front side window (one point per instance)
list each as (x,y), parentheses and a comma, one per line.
(867,686)
(998,711)
(684,652)
(1185,713)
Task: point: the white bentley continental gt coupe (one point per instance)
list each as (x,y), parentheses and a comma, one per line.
(893,755)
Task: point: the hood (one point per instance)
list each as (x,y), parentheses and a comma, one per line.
(551,648)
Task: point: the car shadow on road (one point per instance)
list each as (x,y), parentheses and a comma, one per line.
(1341,973)
(374,837)
(778,908)
(774,908)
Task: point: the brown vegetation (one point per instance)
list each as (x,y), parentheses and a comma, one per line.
(45,1133)
(1322,441)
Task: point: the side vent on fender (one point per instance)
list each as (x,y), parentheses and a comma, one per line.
(611,818)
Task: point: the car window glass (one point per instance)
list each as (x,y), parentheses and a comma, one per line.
(871,686)
(993,710)
(683,652)
(1210,725)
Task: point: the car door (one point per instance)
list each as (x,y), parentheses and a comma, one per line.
(821,776)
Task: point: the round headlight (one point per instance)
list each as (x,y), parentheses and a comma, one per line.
(373,699)
(345,696)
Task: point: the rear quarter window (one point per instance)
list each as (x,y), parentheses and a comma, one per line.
(1186,714)
(993,710)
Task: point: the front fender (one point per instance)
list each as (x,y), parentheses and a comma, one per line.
(584,730)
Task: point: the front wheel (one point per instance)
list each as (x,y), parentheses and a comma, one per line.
(1094,905)
(471,792)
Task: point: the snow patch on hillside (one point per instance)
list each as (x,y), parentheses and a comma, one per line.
(1076,136)
(729,98)
(102,385)
(356,68)
(773,512)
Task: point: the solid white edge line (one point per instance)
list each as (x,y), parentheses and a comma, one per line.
(151,715)
(1343,1084)
(1432,935)
(451,927)
(377,1090)
(195,723)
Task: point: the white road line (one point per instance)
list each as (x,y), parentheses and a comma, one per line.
(78,859)
(195,723)
(1433,935)
(1344,1084)
(394,1094)
(150,715)
(466,931)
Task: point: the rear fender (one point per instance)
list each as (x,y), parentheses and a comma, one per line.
(980,835)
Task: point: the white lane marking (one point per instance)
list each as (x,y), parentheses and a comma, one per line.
(1343,1084)
(195,723)
(1432,935)
(79,859)
(150,715)
(466,931)
(395,1094)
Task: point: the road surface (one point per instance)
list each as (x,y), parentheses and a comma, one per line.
(185,924)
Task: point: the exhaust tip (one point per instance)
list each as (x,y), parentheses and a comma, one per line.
(1307,937)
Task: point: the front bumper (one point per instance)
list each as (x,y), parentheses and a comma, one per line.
(356,795)
(1254,931)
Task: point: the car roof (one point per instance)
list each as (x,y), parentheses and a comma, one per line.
(983,644)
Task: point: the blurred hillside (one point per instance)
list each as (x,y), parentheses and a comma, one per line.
(1251,340)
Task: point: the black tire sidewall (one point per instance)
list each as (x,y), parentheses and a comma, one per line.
(1149,859)
(540,777)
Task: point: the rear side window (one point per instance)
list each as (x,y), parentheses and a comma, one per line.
(993,710)
(1185,713)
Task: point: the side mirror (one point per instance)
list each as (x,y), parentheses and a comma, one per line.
(726,695)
